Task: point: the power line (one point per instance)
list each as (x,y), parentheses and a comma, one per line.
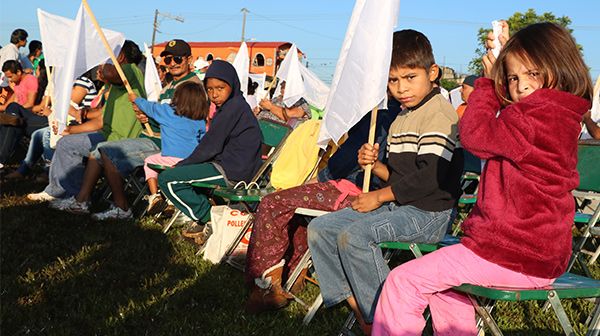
(298,28)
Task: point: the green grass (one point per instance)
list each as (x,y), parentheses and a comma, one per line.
(63,274)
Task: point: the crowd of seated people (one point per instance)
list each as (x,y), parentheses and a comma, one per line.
(205,130)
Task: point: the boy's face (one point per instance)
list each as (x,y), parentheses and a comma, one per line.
(218,91)
(410,85)
(465,92)
(13,77)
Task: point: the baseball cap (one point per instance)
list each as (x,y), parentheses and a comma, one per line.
(470,80)
(177,48)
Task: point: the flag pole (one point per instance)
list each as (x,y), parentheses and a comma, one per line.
(271,86)
(369,168)
(112,56)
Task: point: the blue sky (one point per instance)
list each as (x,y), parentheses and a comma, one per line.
(318,27)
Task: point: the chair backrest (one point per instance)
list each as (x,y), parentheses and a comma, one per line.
(273,132)
(588,165)
(472,163)
(299,156)
(273,136)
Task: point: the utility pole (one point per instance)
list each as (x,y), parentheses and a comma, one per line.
(155,25)
(245,11)
(154,28)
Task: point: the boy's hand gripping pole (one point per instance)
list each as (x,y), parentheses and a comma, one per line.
(368,168)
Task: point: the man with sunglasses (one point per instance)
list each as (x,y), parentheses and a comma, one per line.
(120,158)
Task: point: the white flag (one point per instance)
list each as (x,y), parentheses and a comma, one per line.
(241,63)
(300,82)
(260,79)
(596,101)
(360,79)
(316,92)
(455,97)
(289,72)
(72,47)
(152,82)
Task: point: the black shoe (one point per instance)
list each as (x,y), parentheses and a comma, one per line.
(10,119)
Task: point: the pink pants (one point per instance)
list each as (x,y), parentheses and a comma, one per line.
(410,287)
(158,159)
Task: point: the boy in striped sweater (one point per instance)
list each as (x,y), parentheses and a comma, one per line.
(422,174)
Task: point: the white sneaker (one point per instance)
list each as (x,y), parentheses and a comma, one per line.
(41,197)
(113,212)
(70,205)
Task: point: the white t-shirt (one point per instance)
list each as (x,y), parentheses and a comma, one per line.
(9,52)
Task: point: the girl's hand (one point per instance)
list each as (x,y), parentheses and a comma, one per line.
(367,154)
(132,97)
(489,59)
(142,117)
(366,202)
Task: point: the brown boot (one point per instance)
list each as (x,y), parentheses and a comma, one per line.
(274,298)
(300,283)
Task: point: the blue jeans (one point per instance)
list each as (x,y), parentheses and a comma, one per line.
(346,255)
(68,163)
(11,135)
(126,154)
(39,146)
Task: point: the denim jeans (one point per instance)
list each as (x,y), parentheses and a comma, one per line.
(10,135)
(126,154)
(346,255)
(68,165)
(38,146)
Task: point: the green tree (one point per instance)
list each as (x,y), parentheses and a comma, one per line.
(515,22)
(449,84)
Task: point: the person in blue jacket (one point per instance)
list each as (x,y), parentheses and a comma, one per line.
(228,153)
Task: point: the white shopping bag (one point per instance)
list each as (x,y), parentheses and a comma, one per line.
(226,225)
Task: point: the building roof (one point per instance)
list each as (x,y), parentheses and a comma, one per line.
(234,44)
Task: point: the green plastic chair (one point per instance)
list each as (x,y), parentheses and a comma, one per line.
(390,250)
(568,286)
(588,162)
(273,137)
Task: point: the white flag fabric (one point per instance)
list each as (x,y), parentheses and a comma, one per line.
(300,82)
(316,92)
(152,82)
(260,79)
(596,101)
(241,63)
(360,79)
(289,71)
(455,97)
(72,47)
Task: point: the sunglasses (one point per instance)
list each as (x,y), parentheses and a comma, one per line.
(176,59)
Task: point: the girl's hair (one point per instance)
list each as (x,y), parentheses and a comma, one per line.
(552,50)
(190,101)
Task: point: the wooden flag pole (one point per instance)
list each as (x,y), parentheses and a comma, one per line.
(112,56)
(371,141)
(273,81)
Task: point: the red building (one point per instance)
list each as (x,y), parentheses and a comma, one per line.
(264,56)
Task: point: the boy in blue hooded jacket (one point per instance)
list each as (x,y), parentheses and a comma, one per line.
(228,153)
